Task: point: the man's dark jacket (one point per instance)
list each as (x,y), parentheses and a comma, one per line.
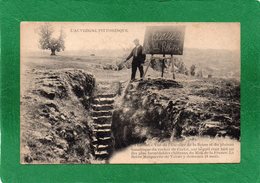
(140,58)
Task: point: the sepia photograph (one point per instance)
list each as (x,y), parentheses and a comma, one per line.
(129,92)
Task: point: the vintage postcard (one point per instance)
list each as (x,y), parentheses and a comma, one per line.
(129,93)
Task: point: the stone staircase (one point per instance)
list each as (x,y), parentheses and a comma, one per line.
(102,140)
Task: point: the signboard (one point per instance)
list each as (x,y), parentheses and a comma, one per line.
(164,40)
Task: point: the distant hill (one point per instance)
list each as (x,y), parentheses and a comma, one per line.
(219,63)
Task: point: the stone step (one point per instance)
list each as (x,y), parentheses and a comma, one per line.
(101,133)
(101,154)
(102,107)
(102,119)
(108,142)
(102,126)
(104,140)
(102,130)
(100,147)
(103,101)
(110,95)
(101,113)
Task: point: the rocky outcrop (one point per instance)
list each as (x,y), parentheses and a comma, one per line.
(166,109)
(54,117)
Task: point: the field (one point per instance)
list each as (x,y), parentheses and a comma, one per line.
(57,91)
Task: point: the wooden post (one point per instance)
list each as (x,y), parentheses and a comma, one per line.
(163,65)
(172,61)
(148,66)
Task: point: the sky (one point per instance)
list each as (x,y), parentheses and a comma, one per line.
(94,36)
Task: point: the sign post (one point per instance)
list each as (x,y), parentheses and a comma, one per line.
(148,66)
(163,64)
(164,40)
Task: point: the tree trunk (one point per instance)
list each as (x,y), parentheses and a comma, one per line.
(53,52)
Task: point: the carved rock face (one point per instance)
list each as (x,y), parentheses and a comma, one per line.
(163,109)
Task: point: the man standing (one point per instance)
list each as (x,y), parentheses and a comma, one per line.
(138,60)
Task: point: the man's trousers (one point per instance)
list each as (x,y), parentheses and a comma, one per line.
(134,69)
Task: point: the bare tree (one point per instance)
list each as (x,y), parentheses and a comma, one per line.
(48,42)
